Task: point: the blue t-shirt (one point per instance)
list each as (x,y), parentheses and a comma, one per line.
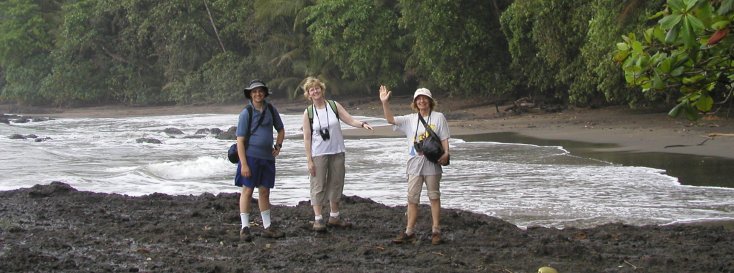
(261,139)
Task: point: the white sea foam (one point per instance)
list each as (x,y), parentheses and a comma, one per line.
(202,167)
(524,184)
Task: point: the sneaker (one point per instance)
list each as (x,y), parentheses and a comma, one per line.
(403,237)
(436,238)
(318,225)
(272,232)
(338,222)
(245,234)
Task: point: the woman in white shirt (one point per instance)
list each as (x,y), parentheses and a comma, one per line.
(324,143)
(420,170)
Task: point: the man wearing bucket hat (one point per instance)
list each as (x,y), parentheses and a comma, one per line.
(256,153)
(420,169)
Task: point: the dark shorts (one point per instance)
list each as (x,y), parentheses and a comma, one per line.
(262,174)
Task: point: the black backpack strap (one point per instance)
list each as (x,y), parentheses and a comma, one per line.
(334,108)
(272,113)
(249,125)
(425,125)
(310,110)
(260,120)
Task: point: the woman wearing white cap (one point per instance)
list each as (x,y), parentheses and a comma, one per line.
(420,169)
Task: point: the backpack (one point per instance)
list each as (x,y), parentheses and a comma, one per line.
(309,109)
(232,152)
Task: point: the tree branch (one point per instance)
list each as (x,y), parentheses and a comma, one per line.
(114,56)
(216,32)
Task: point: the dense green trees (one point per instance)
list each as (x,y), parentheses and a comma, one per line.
(360,37)
(138,52)
(563,49)
(457,46)
(26,41)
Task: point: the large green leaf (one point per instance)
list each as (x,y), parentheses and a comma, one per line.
(680,59)
(720,24)
(637,47)
(704,103)
(672,34)
(657,82)
(695,23)
(677,71)
(693,79)
(687,34)
(621,56)
(659,34)
(665,65)
(690,4)
(670,21)
(649,34)
(677,6)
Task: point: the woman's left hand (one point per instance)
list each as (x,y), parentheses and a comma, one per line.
(443,159)
(366,126)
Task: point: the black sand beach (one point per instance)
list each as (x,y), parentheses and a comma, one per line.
(55,228)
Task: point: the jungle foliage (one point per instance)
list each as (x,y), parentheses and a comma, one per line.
(686,55)
(144,52)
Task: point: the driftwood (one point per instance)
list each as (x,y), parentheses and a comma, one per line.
(709,137)
(521,105)
(712,135)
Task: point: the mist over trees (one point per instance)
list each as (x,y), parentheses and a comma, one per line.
(145,52)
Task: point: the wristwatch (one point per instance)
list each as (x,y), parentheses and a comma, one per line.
(278,146)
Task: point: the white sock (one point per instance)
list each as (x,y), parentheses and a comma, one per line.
(319,218)
(409,231)
(266,218)
(245,218)
(334,214)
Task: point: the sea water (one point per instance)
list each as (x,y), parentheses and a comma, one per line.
(527,185)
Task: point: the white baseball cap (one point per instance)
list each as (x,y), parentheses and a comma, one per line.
(422,91)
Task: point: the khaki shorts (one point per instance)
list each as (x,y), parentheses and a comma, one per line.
(415,185)
(328,184)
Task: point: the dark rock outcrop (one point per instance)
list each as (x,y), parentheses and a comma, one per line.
(148,140)
(173,131)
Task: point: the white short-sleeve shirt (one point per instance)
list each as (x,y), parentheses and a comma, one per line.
(415,131)
(326,118)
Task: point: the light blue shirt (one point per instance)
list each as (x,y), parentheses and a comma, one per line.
(261,139)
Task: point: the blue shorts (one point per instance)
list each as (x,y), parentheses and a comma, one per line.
(262,174)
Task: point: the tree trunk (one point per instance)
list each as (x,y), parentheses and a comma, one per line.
(216,32)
